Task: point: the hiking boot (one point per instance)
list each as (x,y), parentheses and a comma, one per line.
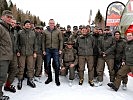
(19,86)
(124,86)
(48,81)
(91,83)
(111,85)
(81,81)
(4,98)
(31,83)
(11,88)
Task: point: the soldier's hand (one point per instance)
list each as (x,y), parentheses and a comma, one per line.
(18,54)
(123,63)
(34,55)
(63,68)
(104,54)
(44,53)
(72,65)
(60,52)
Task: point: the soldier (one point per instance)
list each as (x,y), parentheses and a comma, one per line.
(6,49)
(120,45)
(53,45)
(70,59)
(127,63)
(100,31)
(95,35)
(38,60)
(13,68)
(26,50)
(68,33)
(106,46)
(85,44)
(74,35)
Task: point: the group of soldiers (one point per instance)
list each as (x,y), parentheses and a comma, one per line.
(24,49)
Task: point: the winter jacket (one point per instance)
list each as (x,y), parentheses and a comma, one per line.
(69,56)
(129,53)
(120,45)
(53,39)
(107,44)
(39,42)
(27,42)
(14,36)
(6,49)
(85,45)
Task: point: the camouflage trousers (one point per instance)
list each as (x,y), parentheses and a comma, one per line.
(13,69)
(3,73)
(101,66)
(30,67)
(90,61)
(66,69)
(38,61)
(122,74)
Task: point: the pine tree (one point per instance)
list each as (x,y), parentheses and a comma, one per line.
(99,20)
(3,6)
(10,5)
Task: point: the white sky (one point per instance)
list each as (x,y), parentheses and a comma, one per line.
(73,12)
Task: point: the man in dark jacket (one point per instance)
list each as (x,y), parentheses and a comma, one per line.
(6,50)
(106,47)
(127,64)
(38,61)
(85,44)
(95,36)
(52,47)
(26,50)
(13,68)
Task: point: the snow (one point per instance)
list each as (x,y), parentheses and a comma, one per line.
(76,92)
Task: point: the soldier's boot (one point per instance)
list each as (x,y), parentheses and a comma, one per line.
(4,98)
(31,83)
(19,86)
(81,81)
(57,81)
(57,77)
(124,86)
(70,83)
(91,83)
(111,85)
(9,87)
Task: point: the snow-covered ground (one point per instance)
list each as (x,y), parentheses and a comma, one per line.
(76,92)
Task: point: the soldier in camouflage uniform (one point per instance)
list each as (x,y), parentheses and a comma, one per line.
(127,63)
(6,49)
(70,59)
(27,49)
(38,61)
(13,66)
(106,46)
(85,44)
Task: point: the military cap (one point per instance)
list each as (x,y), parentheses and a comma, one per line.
(75,27)
(27,21)
(106,28)
(80,26)
(68,26)
(7,12)
(70,43)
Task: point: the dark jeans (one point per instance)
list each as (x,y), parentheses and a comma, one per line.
(3,73)
(53,53)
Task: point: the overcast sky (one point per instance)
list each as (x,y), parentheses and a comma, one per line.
(73,12)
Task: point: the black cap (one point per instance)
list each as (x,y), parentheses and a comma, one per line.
(68,26)
(75,27)
(26,21)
